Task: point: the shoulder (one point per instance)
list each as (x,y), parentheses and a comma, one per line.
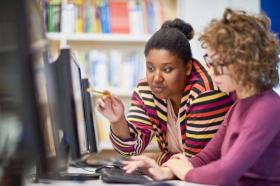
(142,91)
(200,81)
(143,87)
(214,97)
(259,112)
(264,108)
(268,101)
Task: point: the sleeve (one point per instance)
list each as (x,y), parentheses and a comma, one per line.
(249,145)
(212,151)
(204,115)
(200,129)
(140,126)
(163,157)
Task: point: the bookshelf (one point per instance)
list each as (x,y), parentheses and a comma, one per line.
(119,46)
(93,37)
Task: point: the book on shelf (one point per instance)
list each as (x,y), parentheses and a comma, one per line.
(79,15)
(115,70)
(53,9)
(119,20)
(136,19)
(68,19)
(107,16)
(104,16)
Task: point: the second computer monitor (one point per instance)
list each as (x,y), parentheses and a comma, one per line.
(70,103)
(90,124)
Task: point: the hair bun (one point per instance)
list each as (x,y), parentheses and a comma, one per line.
(181,25)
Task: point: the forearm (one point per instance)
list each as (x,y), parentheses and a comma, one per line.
(120,128)
(152,155)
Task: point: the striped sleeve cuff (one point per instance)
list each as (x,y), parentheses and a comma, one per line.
(124,146)
(163,157)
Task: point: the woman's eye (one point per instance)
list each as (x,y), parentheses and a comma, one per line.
(167,70)
(150,69)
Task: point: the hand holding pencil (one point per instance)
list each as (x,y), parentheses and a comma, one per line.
(112,108)
(97,92)
(109,105)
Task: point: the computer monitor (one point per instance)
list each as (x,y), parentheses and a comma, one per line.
(23,90)
(68,77)
(59,160)
(90,124)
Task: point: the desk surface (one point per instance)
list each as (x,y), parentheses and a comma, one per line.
(100,183)
(94,182)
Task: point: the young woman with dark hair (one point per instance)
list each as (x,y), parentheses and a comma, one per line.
(177,102)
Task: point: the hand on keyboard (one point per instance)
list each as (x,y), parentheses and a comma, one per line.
(118,175)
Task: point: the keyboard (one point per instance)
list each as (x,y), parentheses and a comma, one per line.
(118,175)
(95,164)
(98,163)
(70,176)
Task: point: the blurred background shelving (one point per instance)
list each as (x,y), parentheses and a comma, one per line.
(109,36)
(94,37)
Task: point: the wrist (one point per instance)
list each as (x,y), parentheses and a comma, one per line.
(118,120)
(120,128)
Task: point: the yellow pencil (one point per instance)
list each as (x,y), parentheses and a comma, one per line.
(97,92)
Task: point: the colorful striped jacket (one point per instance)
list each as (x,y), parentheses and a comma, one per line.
(201,112)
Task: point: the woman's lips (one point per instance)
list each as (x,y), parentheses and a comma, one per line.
(158,89)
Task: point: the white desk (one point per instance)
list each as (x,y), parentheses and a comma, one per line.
(100,183)
(95,182)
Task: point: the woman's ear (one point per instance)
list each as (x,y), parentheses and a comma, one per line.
(189,68)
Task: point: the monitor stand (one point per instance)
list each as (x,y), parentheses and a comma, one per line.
(60,173)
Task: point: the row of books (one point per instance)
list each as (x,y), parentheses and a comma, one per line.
(107,16)
(113,68)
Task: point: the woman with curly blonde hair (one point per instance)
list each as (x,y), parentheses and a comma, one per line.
(242,55)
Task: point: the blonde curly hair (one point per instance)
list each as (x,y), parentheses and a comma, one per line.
(246,42)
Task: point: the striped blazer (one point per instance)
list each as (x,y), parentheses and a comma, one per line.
(201,111)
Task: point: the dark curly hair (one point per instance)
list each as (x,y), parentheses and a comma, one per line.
(246,42)
(173,36)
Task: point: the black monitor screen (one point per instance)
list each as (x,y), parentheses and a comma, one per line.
(92,136)
(43,103)
(79,111)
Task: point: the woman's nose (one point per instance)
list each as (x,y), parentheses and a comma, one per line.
(158,77)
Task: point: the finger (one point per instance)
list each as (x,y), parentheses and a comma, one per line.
(133,166)
(116,100)
(100,103)
(99,108)
(136,157)
(128,164)
(146,159)
(106,99)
